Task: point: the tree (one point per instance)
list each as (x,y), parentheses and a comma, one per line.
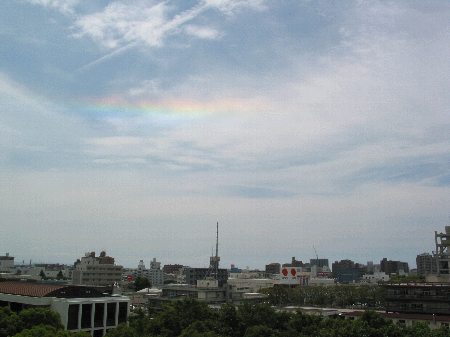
(36,316)
(10,323)
(60,275)
(259,331)
(42,275)
(49,331)
(122,331)
(178,315)
(141,283)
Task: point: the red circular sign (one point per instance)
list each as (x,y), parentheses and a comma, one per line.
(285,272)
(293,272)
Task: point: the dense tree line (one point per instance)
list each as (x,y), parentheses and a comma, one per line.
(189,318)
(338,296)
(33,322)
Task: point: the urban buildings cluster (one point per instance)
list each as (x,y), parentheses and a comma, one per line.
(95,294)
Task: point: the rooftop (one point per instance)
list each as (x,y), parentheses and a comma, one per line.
(35,289)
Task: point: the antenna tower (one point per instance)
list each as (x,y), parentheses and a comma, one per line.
(214,260)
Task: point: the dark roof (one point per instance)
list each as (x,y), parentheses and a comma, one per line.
(34,289)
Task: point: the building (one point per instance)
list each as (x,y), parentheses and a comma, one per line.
(294,276)
(418,298)
(426,264)
(251,285)
(347,271)
(172,268)
(273,268)
(155,275)
(374,278)
(294,263)
(6,263)
(406,320)
(394,267)
(96,270)
(319,262)
(192,275)
(81,308)
(442,253)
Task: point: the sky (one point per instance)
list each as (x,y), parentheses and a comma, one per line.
(133,126)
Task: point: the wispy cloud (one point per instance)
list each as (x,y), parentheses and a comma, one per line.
(121,25)
(64,6)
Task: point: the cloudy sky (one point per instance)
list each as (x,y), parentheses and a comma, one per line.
(132,126)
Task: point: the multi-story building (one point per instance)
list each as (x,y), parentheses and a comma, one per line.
(172,268)
(192,275)
(6,263)
(426,264)
(294,263)
(347,271)
(155,275)
(394,267)
(442,253)
(319,262)
(273,268)
(96,270)
(81,308)
(423,298)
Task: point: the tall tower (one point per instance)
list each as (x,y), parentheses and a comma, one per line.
(442,253)
(214,260)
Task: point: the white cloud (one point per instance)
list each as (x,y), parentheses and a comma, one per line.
(145,22)
(230,6)
(202,32)
(64,6)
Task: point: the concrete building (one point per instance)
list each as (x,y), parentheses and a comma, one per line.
(375,278)
(422,298)
(426,264)
(81,308)
(319,262)
(252,285)
(155,275)
(172,268)
(192,275)
(406,320)
(97,271)
(6,263)
(294,263)
(442,253)
(347,271)
(394,267)
(294,276)
(273,268)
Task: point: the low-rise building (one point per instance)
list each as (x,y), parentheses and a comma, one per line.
(420,298)
(375,278)
(81,308)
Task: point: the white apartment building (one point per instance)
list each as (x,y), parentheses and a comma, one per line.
(96,270)
(155,274)
(6,263)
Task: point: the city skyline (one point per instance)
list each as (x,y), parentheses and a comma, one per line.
(133,126)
